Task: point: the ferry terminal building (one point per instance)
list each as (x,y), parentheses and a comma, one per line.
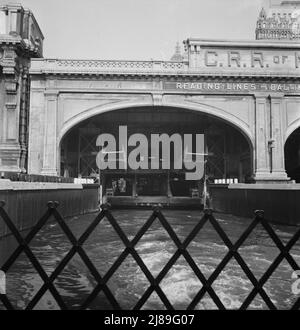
(244,96)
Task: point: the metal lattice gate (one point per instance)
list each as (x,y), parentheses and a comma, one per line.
(154,282)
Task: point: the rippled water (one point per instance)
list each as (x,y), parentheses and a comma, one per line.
(129,283)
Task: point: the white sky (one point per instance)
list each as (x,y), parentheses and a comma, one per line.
(137,29)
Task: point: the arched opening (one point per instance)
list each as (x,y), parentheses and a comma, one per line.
(292,155)
(229,152)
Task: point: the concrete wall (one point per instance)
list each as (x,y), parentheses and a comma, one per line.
(279,201)
(27,202)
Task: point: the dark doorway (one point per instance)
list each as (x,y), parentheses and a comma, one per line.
(229,151)
(292,156)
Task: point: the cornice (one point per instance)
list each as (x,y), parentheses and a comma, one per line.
(19,43)
(11,40)
(171,75)
(72,68)
(266,44)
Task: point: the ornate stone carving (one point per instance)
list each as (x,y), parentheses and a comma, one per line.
(20,40)
(105,67)
(279,22)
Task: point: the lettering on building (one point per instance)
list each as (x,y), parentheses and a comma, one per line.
(255,59)
(232,87)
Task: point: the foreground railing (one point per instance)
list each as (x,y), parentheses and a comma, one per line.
(154,282)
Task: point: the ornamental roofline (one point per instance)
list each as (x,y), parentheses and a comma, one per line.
(18,6)
(37,26)
(138,69)
(243,43)
(286,3)
(20,23)
(206,57)
(18,43)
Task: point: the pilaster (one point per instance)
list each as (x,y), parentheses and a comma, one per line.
(50,134)
(262,133)
(269,143)
(277,137)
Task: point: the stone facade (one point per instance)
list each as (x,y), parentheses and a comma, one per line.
(20,40)
(252,85)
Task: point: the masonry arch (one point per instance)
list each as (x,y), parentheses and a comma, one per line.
(216,112)
(233,159)
(292,154)
(292,128)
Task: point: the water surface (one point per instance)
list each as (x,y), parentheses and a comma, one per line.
(129,283)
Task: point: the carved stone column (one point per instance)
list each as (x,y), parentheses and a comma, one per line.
(50,136)
(24,114)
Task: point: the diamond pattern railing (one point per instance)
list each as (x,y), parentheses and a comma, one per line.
(154,282)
